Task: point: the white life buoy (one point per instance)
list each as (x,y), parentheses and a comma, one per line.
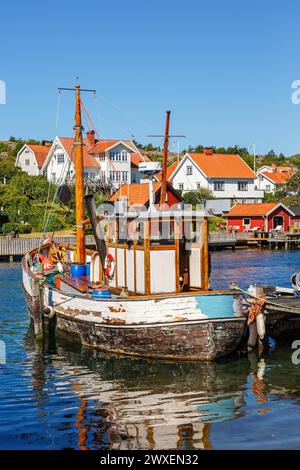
(109,266)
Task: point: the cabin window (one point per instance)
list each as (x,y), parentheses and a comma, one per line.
(242,186)
(246,221)
(27,162)
(219,186)
(181,187)
(60,159)
(189,170)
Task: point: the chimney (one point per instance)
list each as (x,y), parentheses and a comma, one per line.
(90,138)
(274,168)
(208,151)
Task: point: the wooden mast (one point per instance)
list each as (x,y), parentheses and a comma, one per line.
(79,183)
(163,191)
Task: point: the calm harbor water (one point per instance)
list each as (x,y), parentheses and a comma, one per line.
(66,396)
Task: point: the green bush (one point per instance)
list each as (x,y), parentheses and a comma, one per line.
(15,227)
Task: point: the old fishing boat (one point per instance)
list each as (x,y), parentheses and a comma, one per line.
(140,292)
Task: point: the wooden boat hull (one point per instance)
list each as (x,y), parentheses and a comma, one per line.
(177,332)
(181,340)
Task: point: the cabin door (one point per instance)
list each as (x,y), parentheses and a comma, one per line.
(277,221)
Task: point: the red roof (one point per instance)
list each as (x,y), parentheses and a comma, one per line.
(136,194)
(136,159)
(277,178)
(103,144)
(252,209)
(40,152)
(170,170)
(217,165)
(88,160)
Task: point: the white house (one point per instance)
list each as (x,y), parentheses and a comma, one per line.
(31,158)
(118,160)
(59,165)
(227,176)
(271,178)
(114,162)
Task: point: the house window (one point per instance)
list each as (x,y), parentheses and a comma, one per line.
(198,186)
(181,186)
(242,186)
(60,159)
(219,186)
(101,157)
(268,188)
(53,177)
(27,162)
(26,151)
(261,177)
(246,222)
(124,156)
(124,175)
(189,170)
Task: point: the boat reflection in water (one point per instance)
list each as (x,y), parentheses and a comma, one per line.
(126,403)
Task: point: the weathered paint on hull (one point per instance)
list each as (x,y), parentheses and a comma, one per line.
(188,340)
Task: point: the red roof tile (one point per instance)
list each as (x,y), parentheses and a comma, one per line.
(252,209)
(40,152)
(222,165)
(136,194)
(277,178)
(89,161)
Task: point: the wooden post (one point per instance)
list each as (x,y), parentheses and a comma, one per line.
(79,184)
(147,256)
(177,257)
(37,301)
(116,250)
(163,191)
(204,255)
(134,256)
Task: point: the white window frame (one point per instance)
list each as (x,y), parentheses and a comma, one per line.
(189,170)
(241,185)
(181,186)
(244,223)
(219,186)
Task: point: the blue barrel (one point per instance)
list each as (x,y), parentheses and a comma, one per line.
(102,294)
(88,269)
(78,269)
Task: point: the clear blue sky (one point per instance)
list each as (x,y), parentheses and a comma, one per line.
(224,68)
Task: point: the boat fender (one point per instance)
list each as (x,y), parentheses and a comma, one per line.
(46,262)
(60,267)
(261,326)
(252,340)
(109,266)
(49,312)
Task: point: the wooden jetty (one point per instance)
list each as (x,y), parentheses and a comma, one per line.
(13,248)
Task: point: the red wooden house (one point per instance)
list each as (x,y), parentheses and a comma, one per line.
(261,217)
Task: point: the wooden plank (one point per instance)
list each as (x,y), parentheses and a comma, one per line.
(147,257)
(177,260)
